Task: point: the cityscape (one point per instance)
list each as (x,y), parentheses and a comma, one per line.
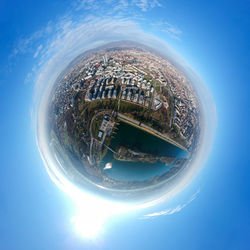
(131,85)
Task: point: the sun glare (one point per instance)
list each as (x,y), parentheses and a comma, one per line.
(92,214)
(87,225)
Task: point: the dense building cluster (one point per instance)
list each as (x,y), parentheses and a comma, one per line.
(132,75)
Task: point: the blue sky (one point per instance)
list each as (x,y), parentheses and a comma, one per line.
(213,37)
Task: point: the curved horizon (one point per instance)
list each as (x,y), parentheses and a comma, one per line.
(50,72)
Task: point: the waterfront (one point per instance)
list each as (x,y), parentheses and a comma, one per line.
(139,141)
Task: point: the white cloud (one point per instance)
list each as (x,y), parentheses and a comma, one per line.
(107,9)
(38,50)
(26,44)
(170,29)
(86,4)
(145,5)
(170,211)
(28,78)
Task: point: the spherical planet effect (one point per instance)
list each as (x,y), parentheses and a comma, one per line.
(124,122)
